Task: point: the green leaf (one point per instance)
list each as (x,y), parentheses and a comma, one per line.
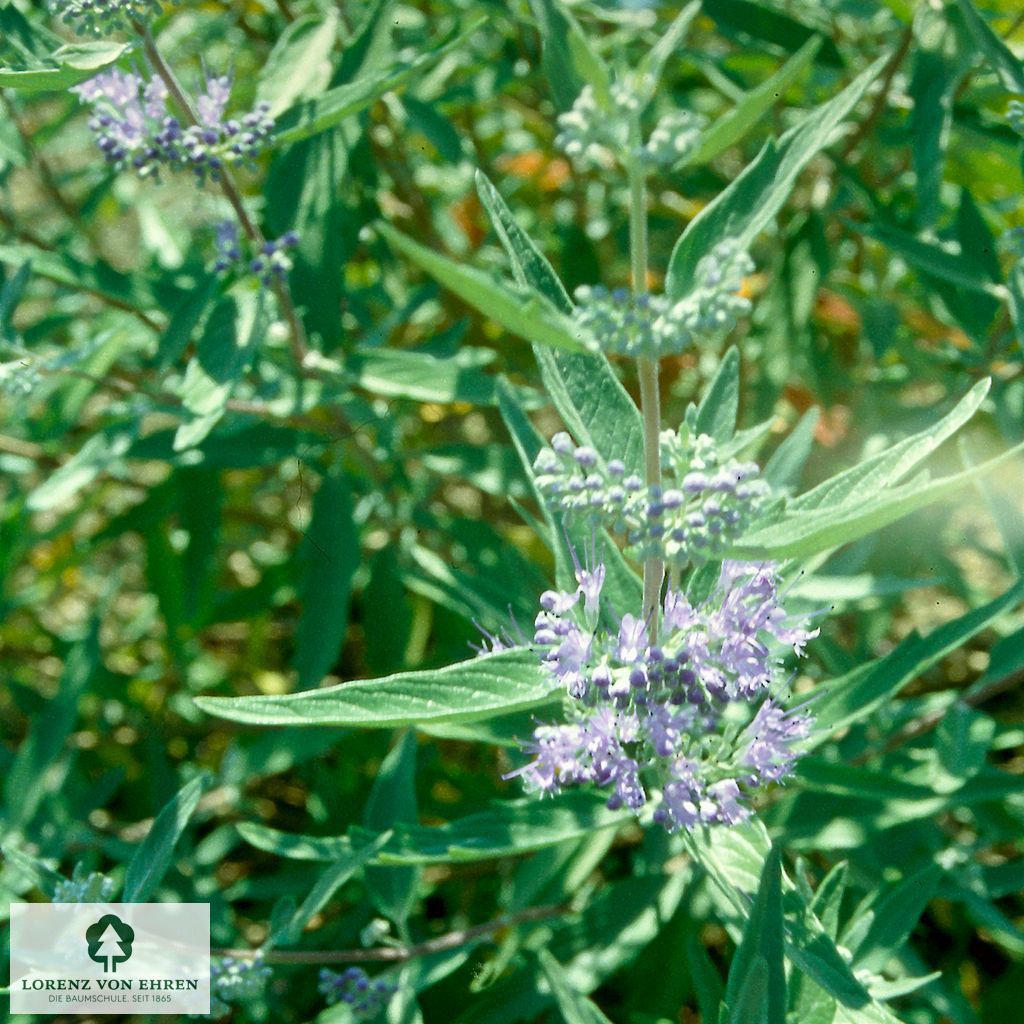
(311,117)
(592,402)
(328,558)
(933,258)
(652,66)
(750,111)
(526,314)
(890,915)
(887,467)
(751,202)
(152,858)
(574,1007)
(785,466)
(44,878)
(762,22)
(856,696)
(71,64)
(567,57)
(299,66)
(26,779)
(422,377)
(392,802)
(760,953)
(509,829)
(999,56)
(478,688)
(223,356)
(529,265)
(806,533)
(289,931)
(734,860)
(716,414)
(100,453)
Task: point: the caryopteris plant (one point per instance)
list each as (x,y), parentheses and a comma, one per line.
(342,416)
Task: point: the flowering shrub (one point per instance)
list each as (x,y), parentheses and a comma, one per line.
(631,338)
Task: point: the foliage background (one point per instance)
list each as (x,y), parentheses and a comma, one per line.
(357,524)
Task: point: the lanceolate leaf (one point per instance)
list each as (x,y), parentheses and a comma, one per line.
(999,56)
(807,533)
(854,697)
(528,315)
(509,829)
(592,402)
(478,688)
(153,857)
(750,111)
(760,951)
(751,202)
(68,66)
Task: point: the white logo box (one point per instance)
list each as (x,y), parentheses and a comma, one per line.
(118,958)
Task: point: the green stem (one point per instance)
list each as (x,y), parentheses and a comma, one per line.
(647,368)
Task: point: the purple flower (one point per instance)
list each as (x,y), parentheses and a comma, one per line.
(366,997)
(632,641)
(656,719)
(770,741)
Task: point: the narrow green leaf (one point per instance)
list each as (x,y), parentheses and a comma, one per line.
(223,356)
(762,944)
(1001,58)
(152,858)
(328,558)
(750,110)
(856,696)
(392,802)
(311,117)
(478,688)
(892,914)
(574,1007)
(716,414)
(783,469)
(289,931)
(510,829)
(100,453)
(25,782)
(933,258)
(567,57)
(652,66)
(592,402)
(526,314)
(68,66)
(808,533)
(751,202)
(298,67)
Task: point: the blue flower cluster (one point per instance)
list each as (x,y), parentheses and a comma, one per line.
(102,16)
(271,264)
(233,980)
(352,986)
(84,887)
(654,326)
(702,506)
(596,134)
(135,129)
(692,721)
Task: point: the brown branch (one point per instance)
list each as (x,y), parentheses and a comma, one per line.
(397,954)
(878,107)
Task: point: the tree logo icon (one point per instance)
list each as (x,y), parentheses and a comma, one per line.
(110,942)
